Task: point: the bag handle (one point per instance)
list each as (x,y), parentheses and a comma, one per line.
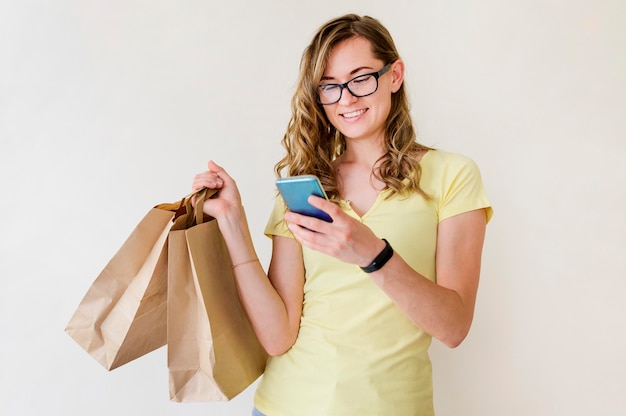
(202,195)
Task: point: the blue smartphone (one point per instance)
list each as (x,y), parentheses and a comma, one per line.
(296,190)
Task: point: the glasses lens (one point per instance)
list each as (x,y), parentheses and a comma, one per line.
(329,94)
(363,85)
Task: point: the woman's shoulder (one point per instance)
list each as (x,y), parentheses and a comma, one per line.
(440,155)
(454,181)
(437,160)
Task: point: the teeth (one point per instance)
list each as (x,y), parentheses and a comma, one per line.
(353,114)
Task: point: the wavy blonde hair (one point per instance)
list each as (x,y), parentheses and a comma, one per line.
(312,143)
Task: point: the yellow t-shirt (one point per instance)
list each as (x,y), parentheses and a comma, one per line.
(356,352)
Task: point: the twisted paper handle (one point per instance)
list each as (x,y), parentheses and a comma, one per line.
(201,195)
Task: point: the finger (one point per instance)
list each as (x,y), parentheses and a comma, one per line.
(300,233)
(310,238)
(310,224)
(214,167)
(219,171)
(325,205)
(207,180)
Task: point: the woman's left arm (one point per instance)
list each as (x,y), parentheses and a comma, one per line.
(444,309)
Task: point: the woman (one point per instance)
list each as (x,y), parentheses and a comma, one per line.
(346,316)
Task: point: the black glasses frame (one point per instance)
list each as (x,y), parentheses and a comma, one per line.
(343,86)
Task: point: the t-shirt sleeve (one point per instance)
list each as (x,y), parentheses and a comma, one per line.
(276,224)
(463,189)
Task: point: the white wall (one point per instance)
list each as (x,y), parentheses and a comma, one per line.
(109,107)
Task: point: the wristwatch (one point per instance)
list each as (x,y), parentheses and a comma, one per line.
(380,260)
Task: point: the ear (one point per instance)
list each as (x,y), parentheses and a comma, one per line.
(397,73)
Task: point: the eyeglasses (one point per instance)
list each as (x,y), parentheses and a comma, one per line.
(361,86)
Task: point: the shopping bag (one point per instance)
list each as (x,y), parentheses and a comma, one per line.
(124,313)
(213,353)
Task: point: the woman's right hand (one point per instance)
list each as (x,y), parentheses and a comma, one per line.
(228,199)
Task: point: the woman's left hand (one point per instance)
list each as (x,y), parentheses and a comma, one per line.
(345,238)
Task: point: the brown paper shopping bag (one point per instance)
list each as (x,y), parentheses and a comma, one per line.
(213,353)
(123,315)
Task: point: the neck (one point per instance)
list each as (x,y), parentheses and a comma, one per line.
(363,152)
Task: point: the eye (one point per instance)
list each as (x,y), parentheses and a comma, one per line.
(362,79)
(328,88)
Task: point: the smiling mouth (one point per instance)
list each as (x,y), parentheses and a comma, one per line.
(353,114)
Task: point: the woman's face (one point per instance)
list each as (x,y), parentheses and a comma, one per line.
(360,118)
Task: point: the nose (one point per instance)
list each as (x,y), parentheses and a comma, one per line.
(347,97)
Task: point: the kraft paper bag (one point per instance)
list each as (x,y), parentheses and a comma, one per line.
(213,353)
(124,313)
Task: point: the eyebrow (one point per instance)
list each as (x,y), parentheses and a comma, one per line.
(354,71)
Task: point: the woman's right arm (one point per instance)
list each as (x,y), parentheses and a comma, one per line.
(273,301)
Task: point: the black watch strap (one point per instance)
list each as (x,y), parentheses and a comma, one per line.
(380,260)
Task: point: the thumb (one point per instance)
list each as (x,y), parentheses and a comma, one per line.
(219,171)
(214,167)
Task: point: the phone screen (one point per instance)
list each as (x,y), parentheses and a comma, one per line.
(295,191)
